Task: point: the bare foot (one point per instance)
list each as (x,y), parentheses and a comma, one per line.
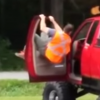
(20,55)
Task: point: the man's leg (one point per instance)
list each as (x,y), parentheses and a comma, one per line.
(40,46)
(39,41)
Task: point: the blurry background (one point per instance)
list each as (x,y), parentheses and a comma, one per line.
(15,17)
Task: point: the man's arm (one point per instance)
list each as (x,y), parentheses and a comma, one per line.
(43,26)
(56,26)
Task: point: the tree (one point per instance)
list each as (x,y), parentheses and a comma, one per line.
(57,10)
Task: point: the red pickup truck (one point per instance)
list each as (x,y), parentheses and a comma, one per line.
(81,68)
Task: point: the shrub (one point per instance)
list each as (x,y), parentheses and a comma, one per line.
(8,61)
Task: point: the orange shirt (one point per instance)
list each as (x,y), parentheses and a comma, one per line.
(58,47)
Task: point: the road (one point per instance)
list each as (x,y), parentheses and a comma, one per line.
(14,75)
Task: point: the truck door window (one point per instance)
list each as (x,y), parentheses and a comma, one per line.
(84,30)
(92,32)
(98,39)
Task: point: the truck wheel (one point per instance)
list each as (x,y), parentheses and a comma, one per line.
(59,91)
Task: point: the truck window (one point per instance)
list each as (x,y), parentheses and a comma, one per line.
(84,30)
(92,32)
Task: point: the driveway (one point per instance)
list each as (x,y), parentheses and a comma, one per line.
(14,75)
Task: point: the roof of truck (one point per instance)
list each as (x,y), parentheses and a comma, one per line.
(95,18)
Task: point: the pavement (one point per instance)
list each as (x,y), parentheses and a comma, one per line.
(14,75)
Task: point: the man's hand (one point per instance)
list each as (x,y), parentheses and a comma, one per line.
(51,18)
(42,16)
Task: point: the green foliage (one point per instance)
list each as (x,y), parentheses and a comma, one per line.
(20,88)
(8,61)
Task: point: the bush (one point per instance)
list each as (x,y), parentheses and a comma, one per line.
(8,61)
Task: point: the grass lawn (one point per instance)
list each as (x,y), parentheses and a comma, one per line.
(21,98)
(23,90)
(86,97)
(20,88)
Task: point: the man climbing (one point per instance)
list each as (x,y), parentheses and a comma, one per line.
(48,48)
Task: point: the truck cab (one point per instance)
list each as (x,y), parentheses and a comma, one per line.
(81,66)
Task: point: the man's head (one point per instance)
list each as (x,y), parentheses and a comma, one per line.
(68,28)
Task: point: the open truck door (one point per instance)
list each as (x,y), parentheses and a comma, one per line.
(39,68)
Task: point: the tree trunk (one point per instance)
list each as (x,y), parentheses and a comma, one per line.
(2,16)
(57,10)
(42,3)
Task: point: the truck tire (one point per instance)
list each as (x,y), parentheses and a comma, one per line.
(59,91)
